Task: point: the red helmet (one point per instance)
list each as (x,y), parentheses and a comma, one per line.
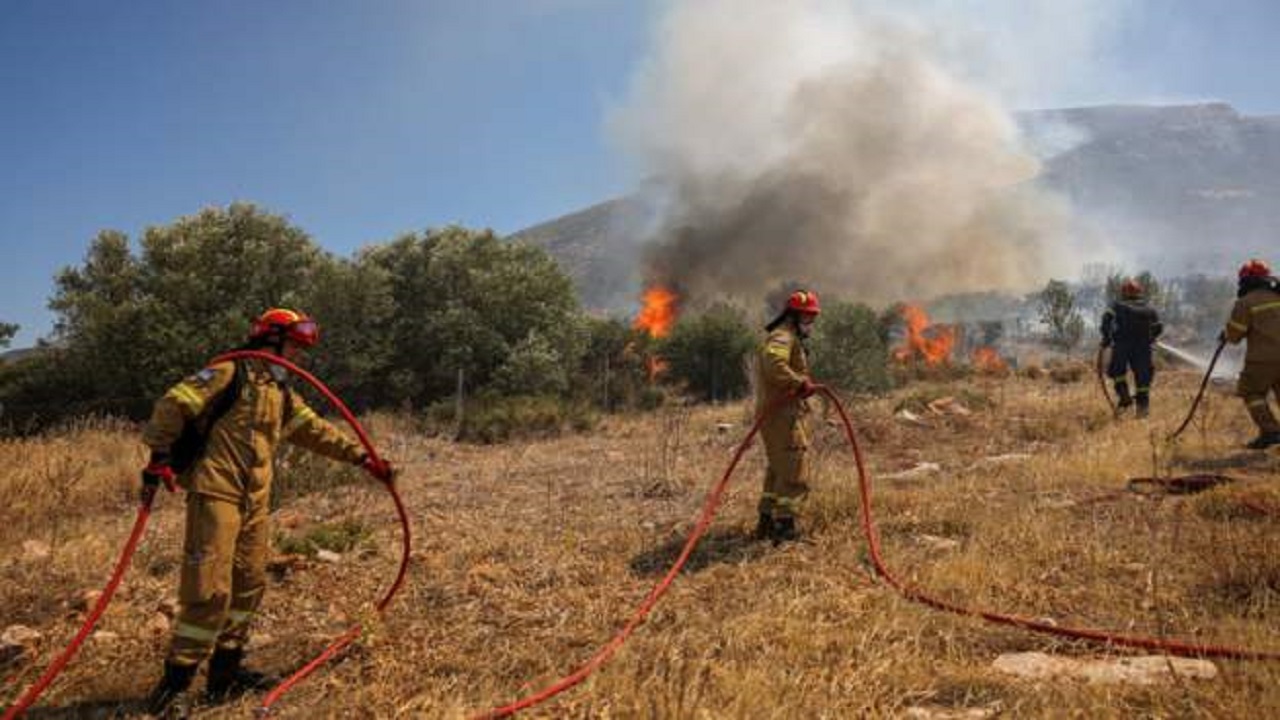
(285,323)
(1131,289)
(804,301)
(1255,269)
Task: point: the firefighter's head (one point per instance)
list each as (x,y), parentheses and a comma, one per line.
(801,310)
(288,332)
(1253,275)
(1131,289)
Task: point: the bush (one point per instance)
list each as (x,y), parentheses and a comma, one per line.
(612,375)
(340,537)
(848,349)
(706,353)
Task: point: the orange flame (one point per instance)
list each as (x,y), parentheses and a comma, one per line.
(930,342)
(655,366)
(657,311)
(987,360)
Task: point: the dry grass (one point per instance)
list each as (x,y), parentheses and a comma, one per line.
(530,555)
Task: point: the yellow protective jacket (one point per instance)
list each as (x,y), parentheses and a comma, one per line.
(782,367)
(1256,316)
(237,463)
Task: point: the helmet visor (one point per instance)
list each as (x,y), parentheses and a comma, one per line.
(305,332)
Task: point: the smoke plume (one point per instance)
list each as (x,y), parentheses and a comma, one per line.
(803,141)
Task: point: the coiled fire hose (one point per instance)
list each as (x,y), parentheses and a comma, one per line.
(711,505)
(1208,373)
(144,513)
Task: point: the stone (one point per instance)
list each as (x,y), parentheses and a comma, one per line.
(158,625)
(1006,458)
(921,469)
(936,542)
(328,556)
(938,712)
(1144,670)
(34,550)
(17,642)
(85,600)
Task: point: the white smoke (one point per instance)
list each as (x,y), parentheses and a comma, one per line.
(863,151)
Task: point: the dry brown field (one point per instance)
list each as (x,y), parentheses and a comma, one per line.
(530,555)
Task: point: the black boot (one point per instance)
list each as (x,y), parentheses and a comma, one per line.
(1144,404)
(228,678)
(177,678)
(1123,400)
(785,530)
(764,526)
(1264,441)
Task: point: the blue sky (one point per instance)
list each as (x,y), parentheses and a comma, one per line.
(362,120)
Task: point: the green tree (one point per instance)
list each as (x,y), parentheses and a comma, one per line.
(7,331)
(707,352)
(1058,310)
(101,328)
(848,351)
(466,301)
(205,276)
(612,371)
(127,327)
(352,301)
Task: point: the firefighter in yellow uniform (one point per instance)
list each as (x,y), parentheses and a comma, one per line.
(245,411)
(1256,318)
(782,387)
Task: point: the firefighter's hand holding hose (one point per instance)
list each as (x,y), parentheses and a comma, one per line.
(158,471)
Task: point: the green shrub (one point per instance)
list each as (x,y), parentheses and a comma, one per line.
(848,350)
(706,353)
(340,537)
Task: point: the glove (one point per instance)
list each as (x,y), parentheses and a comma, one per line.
(158,471)
(807,388)
(378,468)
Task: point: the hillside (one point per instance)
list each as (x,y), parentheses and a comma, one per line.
(1183,189)
(529,556)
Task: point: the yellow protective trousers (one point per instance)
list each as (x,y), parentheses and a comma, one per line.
(786,447)
(1257,380)
(223,576)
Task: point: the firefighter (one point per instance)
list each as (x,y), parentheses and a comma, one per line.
(782,388)
(1256,317)
(1129,327)
(223,573)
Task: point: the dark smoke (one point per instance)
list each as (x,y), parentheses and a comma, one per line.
(847,160)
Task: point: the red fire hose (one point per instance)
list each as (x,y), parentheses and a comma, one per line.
(33,693)
(709,508)
(144,512)
(873,541)
(1208,373)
